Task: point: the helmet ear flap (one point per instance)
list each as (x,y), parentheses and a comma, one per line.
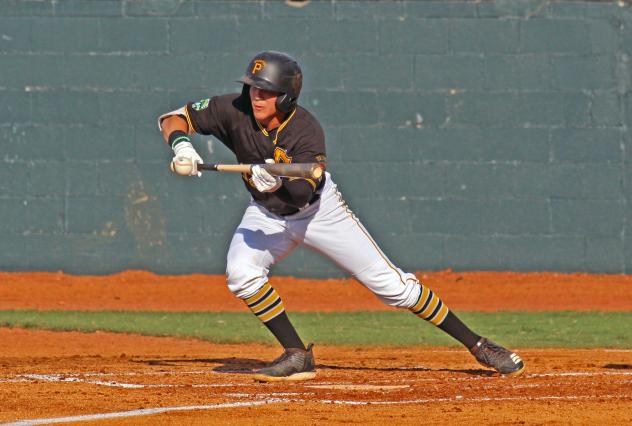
(286,103)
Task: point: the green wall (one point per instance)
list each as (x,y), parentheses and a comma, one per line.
(496,133)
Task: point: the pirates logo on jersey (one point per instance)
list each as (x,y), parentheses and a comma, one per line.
(280,156)
(203,104)
(257,66)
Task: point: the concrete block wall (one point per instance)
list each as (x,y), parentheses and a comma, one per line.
(495,134)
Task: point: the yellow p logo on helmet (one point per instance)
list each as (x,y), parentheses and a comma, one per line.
(257,66)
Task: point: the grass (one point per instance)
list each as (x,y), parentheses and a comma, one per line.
(514,329)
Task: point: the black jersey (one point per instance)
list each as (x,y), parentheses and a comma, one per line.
(299,139)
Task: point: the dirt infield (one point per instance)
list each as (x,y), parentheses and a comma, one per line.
(123,379)
(117,379)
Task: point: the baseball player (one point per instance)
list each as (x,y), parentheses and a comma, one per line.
(265,124)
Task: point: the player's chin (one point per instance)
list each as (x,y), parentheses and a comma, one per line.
(260,114)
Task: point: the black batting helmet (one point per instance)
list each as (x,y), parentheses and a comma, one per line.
(278,72)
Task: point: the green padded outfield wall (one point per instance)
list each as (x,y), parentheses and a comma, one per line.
(473,135)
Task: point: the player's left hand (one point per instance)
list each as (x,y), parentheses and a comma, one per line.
(263,180)
(185,160)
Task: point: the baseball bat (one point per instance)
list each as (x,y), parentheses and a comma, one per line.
(304,170)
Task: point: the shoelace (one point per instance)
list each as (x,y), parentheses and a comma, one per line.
(281,358)
(493,352)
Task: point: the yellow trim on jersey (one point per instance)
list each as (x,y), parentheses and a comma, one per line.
(263,129)
(265,132)
(311,181)
(282,126)
(189,123)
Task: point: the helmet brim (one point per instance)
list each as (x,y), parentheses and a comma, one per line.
(258,83)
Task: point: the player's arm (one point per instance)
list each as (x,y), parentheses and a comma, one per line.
(300,191)
(296,192)
(310,148)
(175,130)
(173,123)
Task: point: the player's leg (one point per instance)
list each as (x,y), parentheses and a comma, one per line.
(260,241)
(338,234)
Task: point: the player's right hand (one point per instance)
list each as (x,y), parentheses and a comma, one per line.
(185,154)
(264,181)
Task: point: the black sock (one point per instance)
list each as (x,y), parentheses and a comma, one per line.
(455,328)
(284,332)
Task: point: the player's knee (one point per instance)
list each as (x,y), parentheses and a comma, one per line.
(236,277)
(400,296)
(243,279)
(394,287)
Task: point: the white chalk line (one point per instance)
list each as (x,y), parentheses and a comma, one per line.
(495,378)
(559,384)
(59,378)
(581,373)
(259,401)
(459,398)
(266,395)
(78,378)
(176,373)
(151,411)
(134,373)
(137,373)
(142,412)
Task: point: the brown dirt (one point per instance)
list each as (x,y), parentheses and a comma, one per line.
(51,374)
(462,291)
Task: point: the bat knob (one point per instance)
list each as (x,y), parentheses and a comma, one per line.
(317,171)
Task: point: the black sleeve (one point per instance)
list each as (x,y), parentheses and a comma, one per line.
(296,192)
(310,149)
(204,116)
(211,117)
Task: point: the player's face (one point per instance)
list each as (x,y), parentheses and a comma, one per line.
(263,104)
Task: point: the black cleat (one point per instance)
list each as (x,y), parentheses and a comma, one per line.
(294,365)
(492,355)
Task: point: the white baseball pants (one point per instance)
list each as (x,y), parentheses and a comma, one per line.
(327,226)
